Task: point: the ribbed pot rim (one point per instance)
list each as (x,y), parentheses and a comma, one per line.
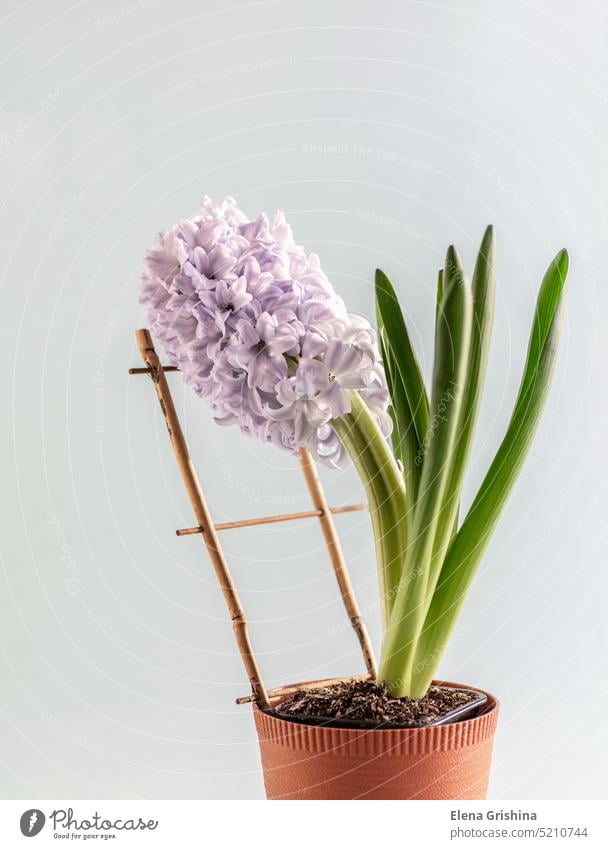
(355,742)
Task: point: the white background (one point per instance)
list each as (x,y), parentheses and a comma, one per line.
(184,823)
(385,131)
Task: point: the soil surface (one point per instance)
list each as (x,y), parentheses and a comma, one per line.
(366,701)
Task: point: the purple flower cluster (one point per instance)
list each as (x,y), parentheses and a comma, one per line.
(257,329)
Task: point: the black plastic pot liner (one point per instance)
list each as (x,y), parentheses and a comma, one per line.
(473,707)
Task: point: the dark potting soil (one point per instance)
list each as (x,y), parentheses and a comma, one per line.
(366,701)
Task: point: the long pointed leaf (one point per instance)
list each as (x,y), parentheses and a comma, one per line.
(403,437)
(438,300)
(483,288)
(439,297)
(471,540)
(442,472)
(432,514)
(398,344)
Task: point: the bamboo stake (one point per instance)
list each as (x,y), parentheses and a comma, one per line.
(203,517)
(269,520)
(337,558)
(148,370)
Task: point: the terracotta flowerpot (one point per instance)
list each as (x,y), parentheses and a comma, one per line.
(315,762)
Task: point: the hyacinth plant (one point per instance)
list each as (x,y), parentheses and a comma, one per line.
(256,329)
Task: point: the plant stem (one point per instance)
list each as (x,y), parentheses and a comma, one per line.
(385,490)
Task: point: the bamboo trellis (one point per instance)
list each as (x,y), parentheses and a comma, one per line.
(209,531)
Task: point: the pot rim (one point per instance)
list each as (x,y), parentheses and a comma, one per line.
(401,741)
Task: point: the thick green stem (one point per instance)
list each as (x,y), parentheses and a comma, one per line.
(385,490)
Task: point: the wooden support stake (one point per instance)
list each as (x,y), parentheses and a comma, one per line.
(203,517)
(148,370)
(270,520)
(337,558)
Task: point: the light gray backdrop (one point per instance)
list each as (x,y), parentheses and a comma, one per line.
(385,130)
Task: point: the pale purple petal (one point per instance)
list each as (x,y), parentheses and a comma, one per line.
(257,329)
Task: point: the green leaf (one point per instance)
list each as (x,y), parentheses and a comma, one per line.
(439,297)
(403,437)
(438,300)
(483,290)
(470,542)
(442,467)
(549,298)
(401,353)
(436,508)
